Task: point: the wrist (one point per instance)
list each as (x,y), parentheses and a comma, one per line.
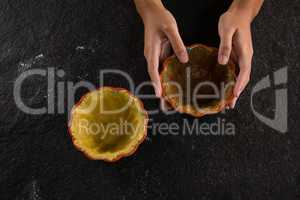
(243,13)
(247,9)
(144,7)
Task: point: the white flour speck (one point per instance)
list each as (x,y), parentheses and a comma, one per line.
(80,48)
(23,66)
(39,56)
(27,64)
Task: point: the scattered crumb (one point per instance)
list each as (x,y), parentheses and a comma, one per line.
(80,48)
(39,56)
(27,64)
(23,66)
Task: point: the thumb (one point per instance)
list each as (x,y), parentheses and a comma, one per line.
(225,47)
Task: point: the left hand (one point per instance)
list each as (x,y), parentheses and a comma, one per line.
(236,42)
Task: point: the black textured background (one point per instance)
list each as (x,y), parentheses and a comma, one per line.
(37,158)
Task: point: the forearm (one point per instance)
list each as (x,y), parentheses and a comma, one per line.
(143,6)
(249,8)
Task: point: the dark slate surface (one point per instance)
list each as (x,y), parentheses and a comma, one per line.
(38,160)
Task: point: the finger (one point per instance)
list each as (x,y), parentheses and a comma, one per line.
(153,63)
(164,105)
(165,50)
(177,43)
(233,102)
(233,56)
(225,46)
(243,77)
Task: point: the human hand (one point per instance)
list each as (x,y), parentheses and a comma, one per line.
(236,41)
(161,33)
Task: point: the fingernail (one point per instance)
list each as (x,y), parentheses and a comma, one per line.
(223,60)
(164,105)
(157,93)
(184,57)
(232,105)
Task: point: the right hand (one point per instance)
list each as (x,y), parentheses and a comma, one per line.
(161,33)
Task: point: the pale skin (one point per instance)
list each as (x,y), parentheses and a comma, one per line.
(161,34)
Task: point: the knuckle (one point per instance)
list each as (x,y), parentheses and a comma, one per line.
(166,28)
(146,53)
(247,78)
(224,30)
(150,69)
(248,51)
(245,52)
(146,50)
(150,62)
(226,49)
(179,51)
(169,27)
